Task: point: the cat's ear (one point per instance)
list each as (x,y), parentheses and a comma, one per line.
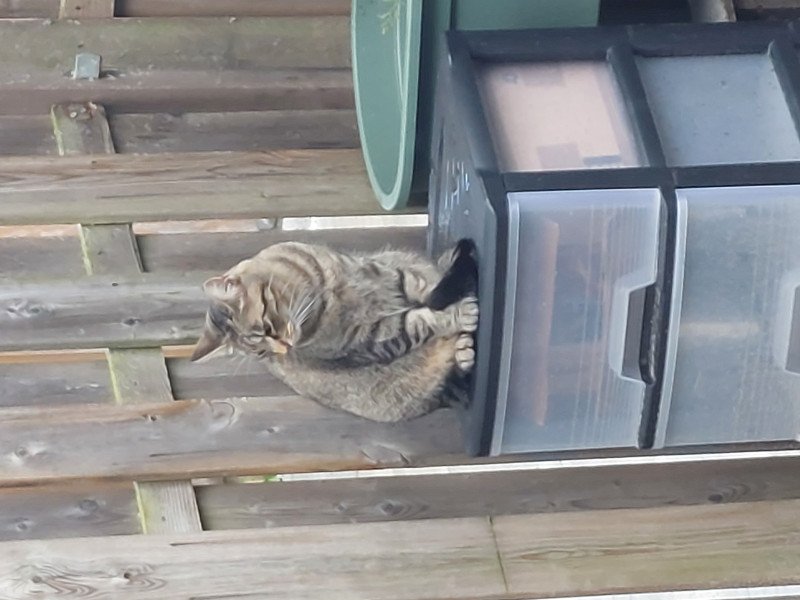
(228,290)
(209,342)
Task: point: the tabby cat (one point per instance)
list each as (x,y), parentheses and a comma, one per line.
(386,336)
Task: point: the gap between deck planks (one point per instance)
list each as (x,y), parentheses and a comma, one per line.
(137,375)
(522,556)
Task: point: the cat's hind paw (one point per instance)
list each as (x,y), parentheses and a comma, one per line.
(465,353)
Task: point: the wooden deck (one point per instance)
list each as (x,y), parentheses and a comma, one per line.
(128,472)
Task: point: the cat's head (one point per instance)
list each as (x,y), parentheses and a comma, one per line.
(246,315)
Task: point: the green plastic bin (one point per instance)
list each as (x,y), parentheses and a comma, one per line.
(395,46)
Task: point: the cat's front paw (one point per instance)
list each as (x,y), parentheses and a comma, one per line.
(467,313)
(465,353)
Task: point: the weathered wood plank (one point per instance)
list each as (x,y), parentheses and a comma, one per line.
(81,128)
(219,379)
(168,507)
(39,384)
(27,9)
(68,510)
(183,90)
(86,9)
(675,548)
(137,375)
(185,439)
(525,556)
(140,377)
(109,249)
(99,312)
(114,189)
(220,251)
(36,380)
(232,8)
(188,8)
(129,45)
(234,131)
(59,256)
(523,491)
(26,135)
(448,560)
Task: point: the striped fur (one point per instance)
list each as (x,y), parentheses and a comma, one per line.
(352,331)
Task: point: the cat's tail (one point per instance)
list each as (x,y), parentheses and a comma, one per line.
(459,281)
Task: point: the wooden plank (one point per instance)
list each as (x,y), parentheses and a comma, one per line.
(72,510)
(36,384)
(219,379)
(182,43)
(525,556)
(27,9)
(449,560)
(232,8)
(81,128)
(16,9)
(59,256)
(220,251)
(523,491)
(97,312)
(140,377)
(234,131)
(185,439)
(183,90)
(114,189)
(663,549)
(86,9)
(28,135)
(109,249)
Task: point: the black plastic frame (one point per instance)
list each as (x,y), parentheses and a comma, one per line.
(618,47)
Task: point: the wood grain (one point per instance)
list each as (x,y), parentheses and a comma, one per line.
(97,312)
(109,249)
(236,8)
(525,556)
(26,135)
(675,548)
(59,256)
(34,384)
(26,9)
(524,491)
(452,559)
(185,439)
(234,131)
(219,379)
(114,189)
(220,251)
(74,510)
(187,8)
(180,90)
(81,128)
(140,376)
(181,43)
(86,9)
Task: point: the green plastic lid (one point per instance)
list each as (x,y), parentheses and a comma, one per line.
(386,43)
(395,45)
